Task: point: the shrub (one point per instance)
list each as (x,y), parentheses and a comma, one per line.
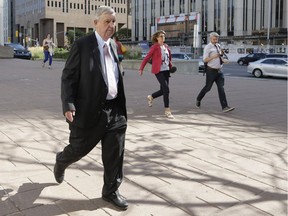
(133,52)
(61,53)
(37,53)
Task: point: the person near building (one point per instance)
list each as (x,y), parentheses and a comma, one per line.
(212,57)
(160,55)
(48,49)
(94,104)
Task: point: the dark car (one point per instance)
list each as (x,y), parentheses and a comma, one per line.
(251,58)
(257,56)
(276,55)
(20,51)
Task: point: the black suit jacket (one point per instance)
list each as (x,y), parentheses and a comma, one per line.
(82,83)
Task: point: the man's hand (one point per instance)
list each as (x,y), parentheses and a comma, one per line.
(70,115)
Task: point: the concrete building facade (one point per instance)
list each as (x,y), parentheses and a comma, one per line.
(36,18)
(187,22)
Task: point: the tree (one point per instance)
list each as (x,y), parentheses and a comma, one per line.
(70,35)
(124,34)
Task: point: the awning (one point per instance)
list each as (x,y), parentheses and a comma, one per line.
(193,17)
(171,19)
(161,20)
(180,19)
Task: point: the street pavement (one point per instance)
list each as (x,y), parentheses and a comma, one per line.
(203,162)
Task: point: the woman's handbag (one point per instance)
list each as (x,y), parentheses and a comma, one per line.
(173,69)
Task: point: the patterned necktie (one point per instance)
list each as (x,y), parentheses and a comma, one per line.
(111,79)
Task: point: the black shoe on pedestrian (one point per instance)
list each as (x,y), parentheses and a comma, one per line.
(116,199)
(58,173)
(228,109)
(198,104)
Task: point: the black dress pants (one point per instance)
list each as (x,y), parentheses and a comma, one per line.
(213,75)
(163,79)
(110,130)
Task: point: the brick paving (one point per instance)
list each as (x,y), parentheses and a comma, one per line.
(202,163)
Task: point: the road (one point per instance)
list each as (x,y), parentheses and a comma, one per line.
(233,69)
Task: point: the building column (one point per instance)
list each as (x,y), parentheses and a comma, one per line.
(210,12)
(238,18)
(223,17)
(249,19)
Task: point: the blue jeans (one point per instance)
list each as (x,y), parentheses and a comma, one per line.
(211,77)
(163,79)
(47,56)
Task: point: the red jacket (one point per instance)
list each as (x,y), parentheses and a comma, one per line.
(156,56)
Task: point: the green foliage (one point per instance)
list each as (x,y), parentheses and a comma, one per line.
(123,33)
(133,52)
(70,35)
(61,53)
(37,53)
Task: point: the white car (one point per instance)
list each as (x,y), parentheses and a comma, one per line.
(180,56)
(276,67)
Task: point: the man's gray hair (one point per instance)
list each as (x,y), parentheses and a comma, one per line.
(103,10)
(213,34)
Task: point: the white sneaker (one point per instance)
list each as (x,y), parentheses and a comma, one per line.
(49,67)
(168,113)
(150,100)
(43,64)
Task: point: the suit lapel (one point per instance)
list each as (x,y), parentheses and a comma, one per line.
(95,57)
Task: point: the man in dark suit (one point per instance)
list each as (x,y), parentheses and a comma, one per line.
(94,105)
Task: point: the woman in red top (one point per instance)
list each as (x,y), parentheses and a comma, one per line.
(160,54)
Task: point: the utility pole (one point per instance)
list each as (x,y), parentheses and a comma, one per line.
(127,11)
(268,26)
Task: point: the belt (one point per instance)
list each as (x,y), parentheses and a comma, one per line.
(108,102)
(213,69)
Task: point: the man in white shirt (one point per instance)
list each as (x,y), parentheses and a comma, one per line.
(212,57)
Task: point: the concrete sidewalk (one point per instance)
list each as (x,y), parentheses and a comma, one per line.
(202,163)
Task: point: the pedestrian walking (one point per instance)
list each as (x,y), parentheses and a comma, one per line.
(94,105)
(212,57)
(160,55)
(48,49)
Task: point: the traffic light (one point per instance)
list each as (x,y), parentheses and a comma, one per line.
(204,39)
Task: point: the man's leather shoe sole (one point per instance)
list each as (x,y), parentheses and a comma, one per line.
(116,199)
(58,174)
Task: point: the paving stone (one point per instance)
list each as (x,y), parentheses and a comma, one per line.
(202,163)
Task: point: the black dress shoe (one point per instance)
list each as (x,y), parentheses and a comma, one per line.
(116,199)
(58,173)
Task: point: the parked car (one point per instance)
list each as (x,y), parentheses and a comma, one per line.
(276,67)
(251,58)
(257,56)
(276,55)
(20,51)
(180,56)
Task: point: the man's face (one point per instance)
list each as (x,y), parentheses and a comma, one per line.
(105,26)
(214,39)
